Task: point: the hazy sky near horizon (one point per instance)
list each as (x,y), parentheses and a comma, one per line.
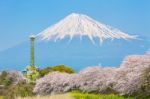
(20,18)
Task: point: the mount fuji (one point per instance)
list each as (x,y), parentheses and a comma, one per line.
(82,25)
(77,41)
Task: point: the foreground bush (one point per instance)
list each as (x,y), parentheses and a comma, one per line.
(22,89)
(10,77)
(63,68)
(60,68)
(11,85)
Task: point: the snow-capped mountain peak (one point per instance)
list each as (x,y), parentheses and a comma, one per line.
(82,25)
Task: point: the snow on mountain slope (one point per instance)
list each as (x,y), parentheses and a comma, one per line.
(82,25)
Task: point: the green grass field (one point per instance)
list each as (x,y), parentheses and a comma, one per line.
(79,95)
(59,96)
(1,97)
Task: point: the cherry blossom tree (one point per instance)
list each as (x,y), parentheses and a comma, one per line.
(125,80)
(95,79)
(55,82)
(128,76)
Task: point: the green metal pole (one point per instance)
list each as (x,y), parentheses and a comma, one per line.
(32,60)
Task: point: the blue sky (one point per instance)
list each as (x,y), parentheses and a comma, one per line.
(20,18)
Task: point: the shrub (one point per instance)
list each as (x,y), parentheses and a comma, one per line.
(3,77)
(22,89)
(45,71)
(10,77)
(7,82)
(13,84)
(63,68)
(31,73)
(60,68)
